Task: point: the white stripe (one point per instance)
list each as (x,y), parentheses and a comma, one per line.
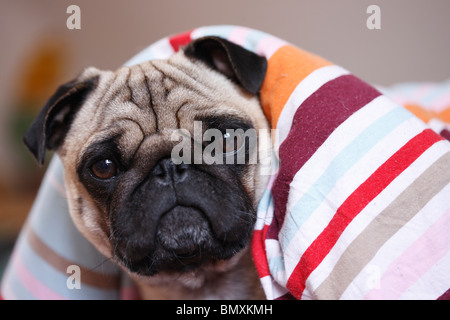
(415,228)
(354,177)
(405,237)
(335,143)
(304,89)
(438,125)
(366,216)
(272,289)
(268,45)
(161,49)
(264,213)
(437,278)
(275,260)
(266,283)
(345,134)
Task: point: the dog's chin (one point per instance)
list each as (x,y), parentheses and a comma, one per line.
(193,279)
(184,243)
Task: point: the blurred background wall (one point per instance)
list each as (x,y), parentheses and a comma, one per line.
(38,52)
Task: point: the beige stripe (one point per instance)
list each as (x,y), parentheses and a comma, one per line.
(89,277)
(383,227)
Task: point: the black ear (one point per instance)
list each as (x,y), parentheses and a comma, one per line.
(243,66)
(49,128)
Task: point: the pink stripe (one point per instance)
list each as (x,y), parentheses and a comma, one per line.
(421,91)
(268,46)
(129,293)
(33,285)
(401,100)
(442,103)
(6,292)
(272,178)
(238,35)
(424,253)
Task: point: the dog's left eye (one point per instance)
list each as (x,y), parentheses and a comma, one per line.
(104,169)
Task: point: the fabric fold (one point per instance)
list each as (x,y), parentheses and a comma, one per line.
(359,189)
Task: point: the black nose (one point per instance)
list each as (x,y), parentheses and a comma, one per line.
(166,171)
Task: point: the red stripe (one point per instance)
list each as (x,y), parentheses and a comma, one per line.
(445,296)
(181,39)
(360,198)
(314,121)
(446,134)
(286,296)
(259,252)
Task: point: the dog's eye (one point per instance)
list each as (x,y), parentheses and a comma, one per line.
(104,169)
(232,141)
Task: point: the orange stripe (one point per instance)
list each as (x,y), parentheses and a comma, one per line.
(287,67)
(445,115)
(426,115)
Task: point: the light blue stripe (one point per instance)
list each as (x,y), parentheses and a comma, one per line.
(265,202)
(253,39)
(11,279)
(346,159)
(51,221)
(149,52)
(276,264)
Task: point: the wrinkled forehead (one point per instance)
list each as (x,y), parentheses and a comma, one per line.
(159,95)
(154,99)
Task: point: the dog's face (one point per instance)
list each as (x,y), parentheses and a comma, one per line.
(115,133)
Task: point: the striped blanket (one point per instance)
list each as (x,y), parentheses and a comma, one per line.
(357,205)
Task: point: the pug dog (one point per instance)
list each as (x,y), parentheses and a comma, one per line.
(181,230)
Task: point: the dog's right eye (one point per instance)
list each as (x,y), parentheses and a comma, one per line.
(104,169)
